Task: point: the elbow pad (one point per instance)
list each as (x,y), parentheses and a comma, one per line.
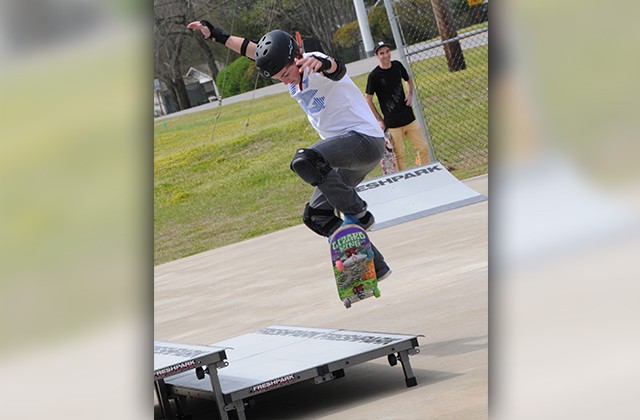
(243,48)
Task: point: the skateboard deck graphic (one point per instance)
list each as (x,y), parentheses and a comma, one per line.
(352,260)
(388,162)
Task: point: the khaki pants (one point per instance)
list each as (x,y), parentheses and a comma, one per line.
(413,132)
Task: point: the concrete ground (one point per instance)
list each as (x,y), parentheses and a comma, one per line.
(439,288)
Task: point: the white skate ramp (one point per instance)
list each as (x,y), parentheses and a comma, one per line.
(415,193)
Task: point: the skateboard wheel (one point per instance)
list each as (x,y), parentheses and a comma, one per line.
(376,292)
(347,303)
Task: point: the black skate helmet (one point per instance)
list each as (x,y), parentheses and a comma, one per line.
(274,51)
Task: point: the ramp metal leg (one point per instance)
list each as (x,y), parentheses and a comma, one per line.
(163,399)
(217,392)
(182,407)
(406,367)
(240,410)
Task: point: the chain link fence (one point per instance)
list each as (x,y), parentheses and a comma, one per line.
(445,45)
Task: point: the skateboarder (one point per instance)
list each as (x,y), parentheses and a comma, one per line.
(351,142)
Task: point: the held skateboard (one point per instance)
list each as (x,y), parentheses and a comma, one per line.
(388,162)
(352,261)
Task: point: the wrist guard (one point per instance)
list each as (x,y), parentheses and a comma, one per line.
(341,70)
(217,34)
(326,64)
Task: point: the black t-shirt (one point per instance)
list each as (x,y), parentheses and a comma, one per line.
(387,85)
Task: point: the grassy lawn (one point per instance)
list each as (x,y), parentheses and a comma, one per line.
(457,110)
(211,193)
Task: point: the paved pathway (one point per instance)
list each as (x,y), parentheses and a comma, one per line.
(438,288)
(353,69)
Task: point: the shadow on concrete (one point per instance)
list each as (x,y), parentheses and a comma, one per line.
(361,384)
(455,347)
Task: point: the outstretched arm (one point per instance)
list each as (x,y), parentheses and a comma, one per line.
(240,45)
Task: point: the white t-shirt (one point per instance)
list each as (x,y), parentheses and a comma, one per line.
(334,107)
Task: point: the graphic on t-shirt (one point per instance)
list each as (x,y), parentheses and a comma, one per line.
(396,98)
(309,102)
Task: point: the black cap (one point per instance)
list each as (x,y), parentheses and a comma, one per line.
(380,45)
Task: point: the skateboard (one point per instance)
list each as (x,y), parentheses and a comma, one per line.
(352,261)
(388,162)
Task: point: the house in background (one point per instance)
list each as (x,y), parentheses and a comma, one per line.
(163,102)
(201,89)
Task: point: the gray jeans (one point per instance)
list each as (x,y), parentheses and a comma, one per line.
(351,156)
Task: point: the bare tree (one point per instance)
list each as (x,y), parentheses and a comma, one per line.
(217,12)
(317,19)
(324,18)
(170,35)
(252,18)
(169,38)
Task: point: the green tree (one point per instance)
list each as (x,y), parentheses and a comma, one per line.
(240,76)
(379,25)
(348,35)
(417,20)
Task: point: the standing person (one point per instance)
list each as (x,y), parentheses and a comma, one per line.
(351,142)
(386,82)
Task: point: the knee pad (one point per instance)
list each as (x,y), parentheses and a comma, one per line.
(310,166)
(322,222)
